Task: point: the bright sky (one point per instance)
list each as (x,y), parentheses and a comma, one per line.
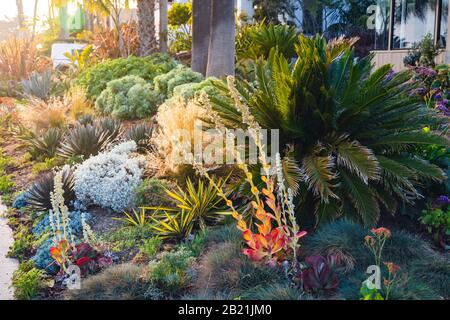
(8,8)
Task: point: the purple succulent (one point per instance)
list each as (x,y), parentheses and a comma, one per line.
(319,275)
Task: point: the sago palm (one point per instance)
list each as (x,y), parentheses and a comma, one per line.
(349,133)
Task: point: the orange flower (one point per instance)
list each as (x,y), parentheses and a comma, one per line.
(382,232)
(370,241)
(392,268)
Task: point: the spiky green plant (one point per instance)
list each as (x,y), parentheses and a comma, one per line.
(112,127)
(38,195)
(353,131)
(141,134)
(257,40)
(46,146)
(84,141)
(202,201)
(177,225)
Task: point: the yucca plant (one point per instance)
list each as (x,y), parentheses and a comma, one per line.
(353,132)
(138,219)
(176,226)
(202,200)
(45,146)
(84,141)
(38,195)
(141,134)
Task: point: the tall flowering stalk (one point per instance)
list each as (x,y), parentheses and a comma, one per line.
(269,244)
(59,215)
(63,238)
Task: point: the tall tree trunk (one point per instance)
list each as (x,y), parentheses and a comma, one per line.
(163,21)
(33,33)
(20,14)
(201,28)
(146,27)
(221,57)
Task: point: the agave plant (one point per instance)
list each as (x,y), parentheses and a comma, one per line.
(141,134)
(38,85)
(353,132)
(46,146)
(38,195)
(112,127)
(84,141)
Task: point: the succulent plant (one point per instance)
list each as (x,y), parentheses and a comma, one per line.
(84,141)
(112,127)
(86,119)
(46,145)
(319,276)
(39,85)
(141,133)
(38,195)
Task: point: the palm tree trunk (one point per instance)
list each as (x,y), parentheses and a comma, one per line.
(221,60)
(201,28)
(163,21)
(146,27)
(20,14)
(33,33)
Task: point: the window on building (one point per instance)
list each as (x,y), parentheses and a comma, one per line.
(413,19)
(442,40)
(382,17)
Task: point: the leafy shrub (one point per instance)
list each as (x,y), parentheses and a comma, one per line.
(166,83)
(188,90)
(354,132)
(120,282)
(151,246)
(108,179)
(27,282)
(95,78)
(6,183)
(128,98)
(170,273)
(422,53)
(38,195)
(39,85)
(179,14)
(152,192)
(141,134)
(84,141)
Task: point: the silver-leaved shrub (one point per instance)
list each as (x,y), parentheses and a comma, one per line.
(108,179)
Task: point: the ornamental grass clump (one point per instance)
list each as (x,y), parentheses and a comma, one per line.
(108,180)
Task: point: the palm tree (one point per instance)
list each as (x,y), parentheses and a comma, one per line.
(201,26)
(146,27)
(20,14)
(353,132)
(221,60)
(163,21)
